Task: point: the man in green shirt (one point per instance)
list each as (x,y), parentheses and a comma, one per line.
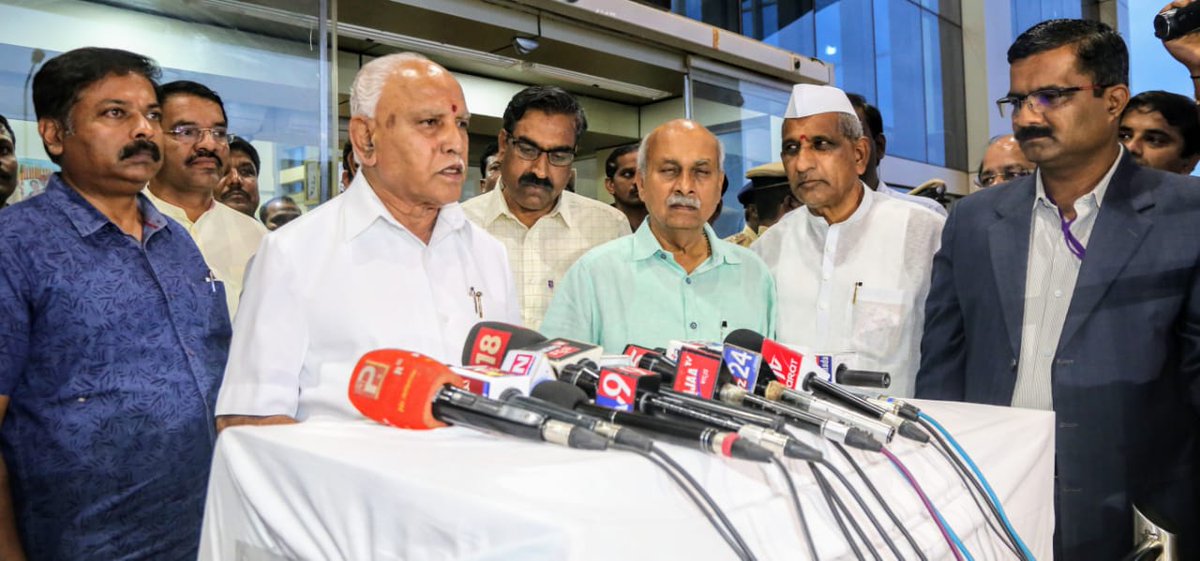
(673,279)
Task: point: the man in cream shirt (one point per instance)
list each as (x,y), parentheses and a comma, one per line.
(545,227)
(852,266)
(195,152)
(390,263)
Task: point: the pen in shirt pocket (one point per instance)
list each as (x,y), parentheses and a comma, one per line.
(724,329)
(211,279)
(550,284)
(477,296)
(854,298)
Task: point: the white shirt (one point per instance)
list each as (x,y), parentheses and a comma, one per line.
(541,255)
(1050,275)
(922,201)
(856,288)
(227,239)
(346,279)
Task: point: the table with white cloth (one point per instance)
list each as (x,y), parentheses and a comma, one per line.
(359,491)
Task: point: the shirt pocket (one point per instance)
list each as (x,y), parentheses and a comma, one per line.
(877,320)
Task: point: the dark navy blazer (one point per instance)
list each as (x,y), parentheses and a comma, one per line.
(1125,379)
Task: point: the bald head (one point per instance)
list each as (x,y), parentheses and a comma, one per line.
(1003,161)
(409,129)
(680,173)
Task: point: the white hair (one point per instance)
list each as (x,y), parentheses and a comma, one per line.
(641,154)
(371,78)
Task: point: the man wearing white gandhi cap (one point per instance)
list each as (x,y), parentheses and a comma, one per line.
(852,266)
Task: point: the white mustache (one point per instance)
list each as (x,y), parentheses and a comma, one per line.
(683,200)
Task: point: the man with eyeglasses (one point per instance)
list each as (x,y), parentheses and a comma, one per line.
(238,189)
(1076,290)
(544,227)
(1002,162)
(195,151)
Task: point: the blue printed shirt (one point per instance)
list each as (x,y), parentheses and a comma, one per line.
(112,354)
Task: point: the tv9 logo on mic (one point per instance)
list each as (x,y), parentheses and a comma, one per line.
(618,387)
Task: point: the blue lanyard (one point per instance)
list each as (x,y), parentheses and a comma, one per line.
(1073,244)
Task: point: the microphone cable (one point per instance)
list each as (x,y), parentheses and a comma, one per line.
(977,494)
(878,497)
(808,539)
(935,428)
(838,507)
(937,518)
(703,501)
(887,540)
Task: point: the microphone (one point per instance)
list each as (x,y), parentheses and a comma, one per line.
(412,391)
(615,433)
(705,439)
(779,392)
(786,365)
(833,430)
(489,341)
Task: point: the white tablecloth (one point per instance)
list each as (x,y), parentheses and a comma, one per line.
(360,491)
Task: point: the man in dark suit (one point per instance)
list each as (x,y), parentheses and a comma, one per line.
(1076,289)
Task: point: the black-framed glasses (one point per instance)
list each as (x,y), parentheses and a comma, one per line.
(1041,100)
(1003,176)
(530,152)
(191,134)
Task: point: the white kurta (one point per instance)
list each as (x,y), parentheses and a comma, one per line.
(227,239)
(856,288)
(346,279)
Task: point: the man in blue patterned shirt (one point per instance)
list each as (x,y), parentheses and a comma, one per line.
(114,335)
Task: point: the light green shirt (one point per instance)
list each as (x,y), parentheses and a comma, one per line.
(630,290)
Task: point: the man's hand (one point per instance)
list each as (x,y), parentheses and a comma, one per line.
(1185,49)
(226,421)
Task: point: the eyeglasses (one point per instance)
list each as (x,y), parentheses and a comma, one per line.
(530,152)
(990,179)
(1041,100)
(191,134)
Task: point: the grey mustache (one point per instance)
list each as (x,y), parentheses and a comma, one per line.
(683,200)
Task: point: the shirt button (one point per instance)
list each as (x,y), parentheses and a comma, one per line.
(82,399)
(662,256)
(1047,354)
(1058,294)
(692,325)
(827,276)
(824,306)
(688,280)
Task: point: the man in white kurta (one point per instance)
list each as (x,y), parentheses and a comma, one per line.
(852,266)
(391,263)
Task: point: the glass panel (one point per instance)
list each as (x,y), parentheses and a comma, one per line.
(1026,13)
(935,138)
(900,75)
(789,25)
(845,39)
(268,81)
(747,117)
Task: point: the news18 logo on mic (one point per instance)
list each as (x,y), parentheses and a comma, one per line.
(490,347)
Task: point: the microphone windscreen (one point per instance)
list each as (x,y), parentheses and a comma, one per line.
(489,341)
(397,388)
(560,393)
(746,339)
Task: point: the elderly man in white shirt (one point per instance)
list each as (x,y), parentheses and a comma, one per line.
(852,266)
(392,262)
(544,227)
(195,153)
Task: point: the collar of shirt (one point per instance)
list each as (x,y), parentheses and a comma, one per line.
(496,206)
(819,224)
(362,208)
(87,220)
(1095,197)
(172,211)
(646,246)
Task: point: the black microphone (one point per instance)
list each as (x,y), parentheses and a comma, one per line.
(852,400)
(705,439)
(615,433)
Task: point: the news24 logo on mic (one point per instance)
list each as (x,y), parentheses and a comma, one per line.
(743,366)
